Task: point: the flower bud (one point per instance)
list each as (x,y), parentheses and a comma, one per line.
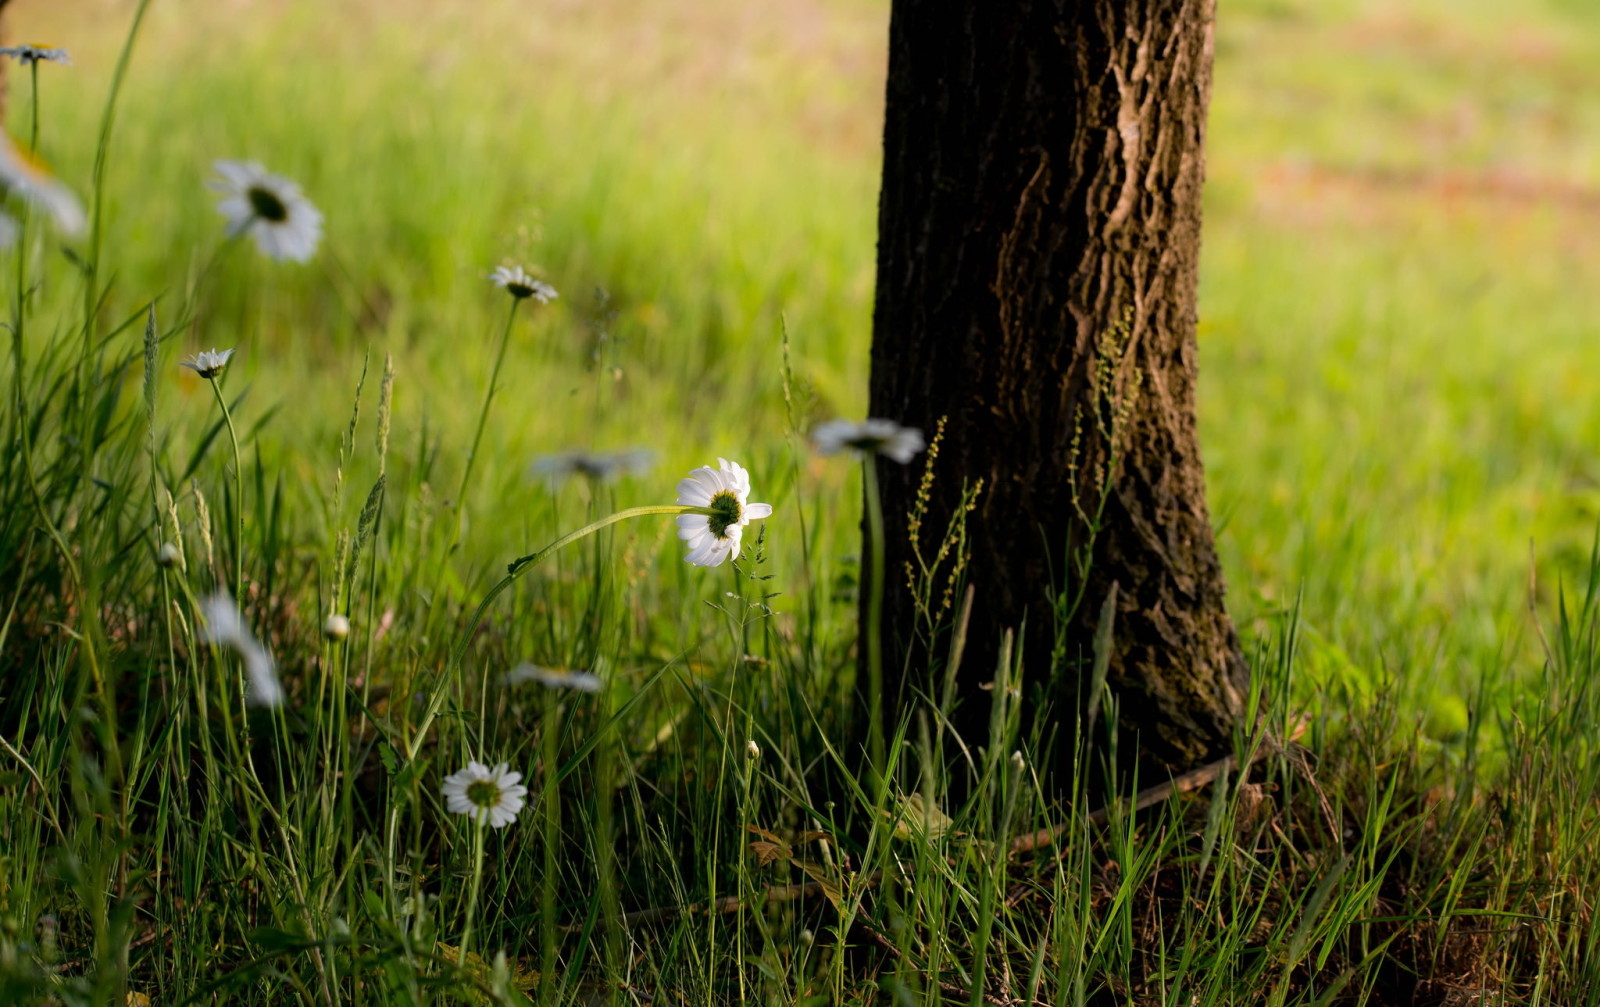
(337,627)
(752,750)
(168,555)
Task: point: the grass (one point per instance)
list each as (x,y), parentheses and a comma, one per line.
(1398,397)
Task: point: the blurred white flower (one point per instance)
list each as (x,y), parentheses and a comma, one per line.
(491,796)
(595,467)
(30,179)
(519,284)
(207,363)
(869,437)
(553,678)
(751,749)
(284,223)
(225,626)
(168,555)
(28,54)
(336,627)
(713,538)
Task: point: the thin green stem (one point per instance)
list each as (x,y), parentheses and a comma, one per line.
(483,417)
(551,806)
(33,137)
(238,494)
(479,827)
(873,629)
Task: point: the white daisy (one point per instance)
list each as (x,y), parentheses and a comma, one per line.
(519,284)
(28,54)
(552,678)
(488,795)
(207,363)
(29,177)
(285,224)
(224,625)
(714,537)
(595,467)
(869,437)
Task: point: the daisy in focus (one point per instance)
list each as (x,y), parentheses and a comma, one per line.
(869,437)
(490,796)
(725,492)
(284,223)
(30,54)
(224,626)
(207,363)
(24,175)
(519,284)
(553,678)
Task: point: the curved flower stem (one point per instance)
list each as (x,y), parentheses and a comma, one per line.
(516,568)
(483,417)
(238,496)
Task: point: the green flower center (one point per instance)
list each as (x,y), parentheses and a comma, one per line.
(267,205)
(725,513)
(483,793)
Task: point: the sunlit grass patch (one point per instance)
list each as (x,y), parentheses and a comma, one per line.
(260,603)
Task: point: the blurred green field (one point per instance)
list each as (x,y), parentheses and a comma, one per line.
(1400,409)
(1401,274)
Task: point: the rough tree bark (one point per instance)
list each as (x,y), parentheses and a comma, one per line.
(1039,232)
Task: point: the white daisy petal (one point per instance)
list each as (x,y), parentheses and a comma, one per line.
(491,796)
(33,53)
(225,626)
(596,467)
(28,177)
(519,284)
(285,224)
(551,678)
(714,538)
(694,493)
(209,363)
(869,437)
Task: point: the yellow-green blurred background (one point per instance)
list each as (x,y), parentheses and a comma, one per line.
(1400,295)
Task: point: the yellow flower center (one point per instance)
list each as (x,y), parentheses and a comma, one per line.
(483,793)
(725,513)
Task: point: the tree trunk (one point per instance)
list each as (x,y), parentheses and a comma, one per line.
(1039,232)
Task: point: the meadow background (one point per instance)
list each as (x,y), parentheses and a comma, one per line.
(1400,389)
